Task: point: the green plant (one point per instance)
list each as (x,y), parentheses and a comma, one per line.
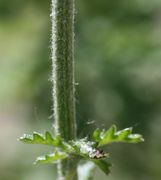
(68,149)
(86,148)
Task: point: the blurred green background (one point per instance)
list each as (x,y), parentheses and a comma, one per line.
(118,70)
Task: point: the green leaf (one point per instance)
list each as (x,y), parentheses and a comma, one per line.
(104,165)
(122,135)
(107,136)
(37,138)
(135,138)
(83,148)
(112,135)
(48,137)
(51,158)
(96,135)
(57,141)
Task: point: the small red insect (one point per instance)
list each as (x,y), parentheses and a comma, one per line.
(99,154)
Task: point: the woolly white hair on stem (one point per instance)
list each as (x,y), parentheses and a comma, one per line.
(62,16)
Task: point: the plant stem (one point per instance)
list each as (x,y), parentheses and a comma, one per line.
(63,77)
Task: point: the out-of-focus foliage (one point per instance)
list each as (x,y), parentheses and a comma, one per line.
(118,52)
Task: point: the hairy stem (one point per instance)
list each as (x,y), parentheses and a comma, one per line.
(63,76)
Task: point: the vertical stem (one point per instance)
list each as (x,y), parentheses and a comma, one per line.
(63,77)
